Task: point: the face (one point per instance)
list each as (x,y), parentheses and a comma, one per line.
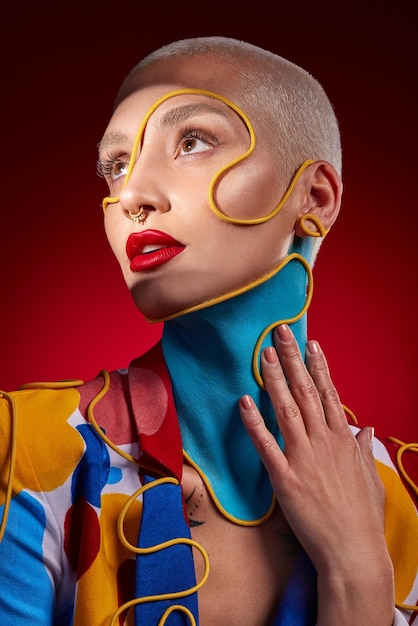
(184,254)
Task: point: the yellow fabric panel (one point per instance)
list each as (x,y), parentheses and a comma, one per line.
(401,531)
(42,434)
(97,593)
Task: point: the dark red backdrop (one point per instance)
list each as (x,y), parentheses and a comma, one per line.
(64,310)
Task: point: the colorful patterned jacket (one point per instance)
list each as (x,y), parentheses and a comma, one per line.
(73,455)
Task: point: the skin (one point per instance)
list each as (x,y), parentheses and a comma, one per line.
(173,186)
(326,481)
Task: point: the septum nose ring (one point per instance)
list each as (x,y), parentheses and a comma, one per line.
(140,217)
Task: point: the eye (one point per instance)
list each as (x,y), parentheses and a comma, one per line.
(112,169)
(195,141)
(119,168)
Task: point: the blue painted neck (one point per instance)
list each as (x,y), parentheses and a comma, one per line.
(209,356)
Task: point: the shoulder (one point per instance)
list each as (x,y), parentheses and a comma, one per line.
(45,420)
(43,402)
(121,402)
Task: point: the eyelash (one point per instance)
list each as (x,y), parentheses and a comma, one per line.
(105,168)
(197,133)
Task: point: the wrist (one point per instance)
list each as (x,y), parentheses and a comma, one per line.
(362,594)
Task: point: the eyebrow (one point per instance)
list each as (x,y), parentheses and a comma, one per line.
(168,119)
(111,138)
(185,112)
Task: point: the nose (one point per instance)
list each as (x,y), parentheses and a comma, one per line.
(143,192)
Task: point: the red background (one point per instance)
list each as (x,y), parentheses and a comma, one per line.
(65,312)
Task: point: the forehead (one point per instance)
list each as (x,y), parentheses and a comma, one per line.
(164,107)
(200,72)
(144,87)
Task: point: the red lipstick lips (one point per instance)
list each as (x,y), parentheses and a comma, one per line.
(150,249)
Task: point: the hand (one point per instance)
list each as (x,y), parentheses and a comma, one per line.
(325,480)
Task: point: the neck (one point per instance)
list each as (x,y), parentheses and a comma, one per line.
(212,355)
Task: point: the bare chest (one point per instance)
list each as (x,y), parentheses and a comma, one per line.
(249,565)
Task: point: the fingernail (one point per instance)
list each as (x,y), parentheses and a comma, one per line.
(313,347)
(284,333)
(270,355)
(371,433)
(246,402)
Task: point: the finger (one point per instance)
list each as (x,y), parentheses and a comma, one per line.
(288,414)
(318,368)
(365,441)
(264,442)
(301,384)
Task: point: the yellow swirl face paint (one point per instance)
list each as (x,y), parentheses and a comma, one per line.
(222,171)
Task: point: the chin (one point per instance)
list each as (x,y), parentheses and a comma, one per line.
(160,299)
(156,308)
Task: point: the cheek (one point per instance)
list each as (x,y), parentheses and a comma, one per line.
(247,192)
(114,234)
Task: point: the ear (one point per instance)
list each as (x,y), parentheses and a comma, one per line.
(321,187)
